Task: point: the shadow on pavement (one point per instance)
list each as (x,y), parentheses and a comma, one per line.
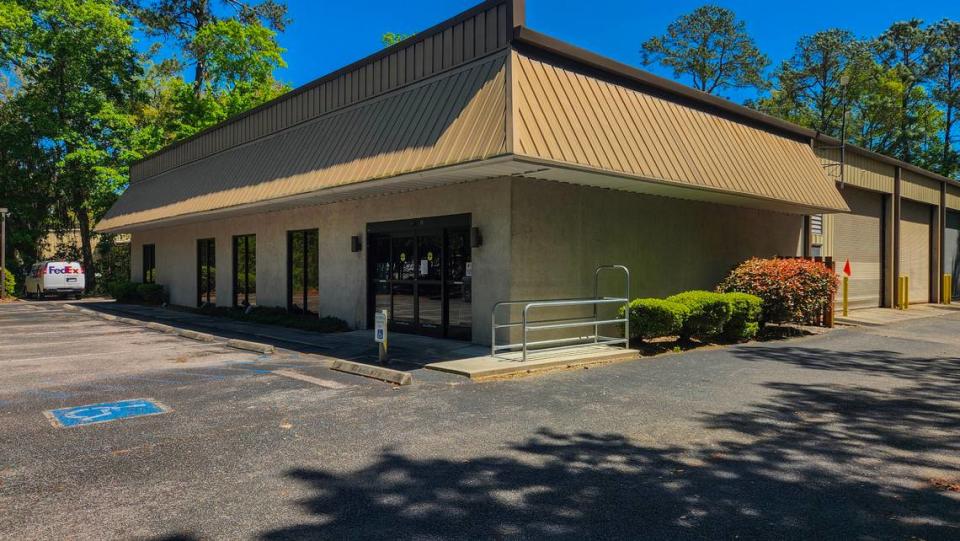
(869,362)
(408,352)
(811,461)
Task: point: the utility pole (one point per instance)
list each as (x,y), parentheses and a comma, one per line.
(3,253)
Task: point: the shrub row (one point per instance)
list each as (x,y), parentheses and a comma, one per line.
(132,292)
(731,317)
(9,283)
(793,290)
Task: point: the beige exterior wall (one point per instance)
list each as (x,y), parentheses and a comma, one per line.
(562,232)
(343,286)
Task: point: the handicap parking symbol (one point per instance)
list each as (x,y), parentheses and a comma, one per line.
(104,412)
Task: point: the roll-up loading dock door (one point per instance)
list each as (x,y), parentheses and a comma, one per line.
(858,236)
(915,235)
(951,250)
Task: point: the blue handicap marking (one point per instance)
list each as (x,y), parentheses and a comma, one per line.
(104,412)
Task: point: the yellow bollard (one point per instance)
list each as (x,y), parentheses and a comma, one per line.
(899,303)
(947,286)
(846,290)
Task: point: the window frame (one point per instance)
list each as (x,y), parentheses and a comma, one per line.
(306,267)
(210,245)
(236,274)
(149,265)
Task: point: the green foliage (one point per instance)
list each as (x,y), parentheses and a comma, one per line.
(902,91)
(151,293)
(710,46)
(709,312)
(793,290)
(114,259)
(943,57)
(655,318)
(124,291)
(9,283)
(212,35)
(744,322)
(392,38)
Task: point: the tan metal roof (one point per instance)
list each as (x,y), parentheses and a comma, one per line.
(566,116)
(454,118)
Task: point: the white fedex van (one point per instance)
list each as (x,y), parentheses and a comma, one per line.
(55,278)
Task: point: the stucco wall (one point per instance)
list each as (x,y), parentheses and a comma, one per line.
(343,286)
(562,232)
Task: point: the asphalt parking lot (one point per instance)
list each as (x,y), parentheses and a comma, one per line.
(855,434)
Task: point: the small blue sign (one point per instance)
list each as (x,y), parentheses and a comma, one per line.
(104,412)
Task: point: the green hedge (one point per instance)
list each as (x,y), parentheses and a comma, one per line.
(151,293)
(132,292)
(655,318)
(744,322)
(9,283)
(709,312)
(124,291)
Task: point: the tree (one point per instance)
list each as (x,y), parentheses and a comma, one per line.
(240,58)
(194,24)
(808,87)
(78,74)
(392,38)
(903,49)
(712,47)
(943,57)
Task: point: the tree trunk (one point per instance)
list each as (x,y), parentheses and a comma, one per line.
(946,164)
(83,220)
(199,72)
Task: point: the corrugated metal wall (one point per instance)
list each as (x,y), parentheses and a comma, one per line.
(953,197)
(920,189)
(425,56)
(861,171)
(566,116)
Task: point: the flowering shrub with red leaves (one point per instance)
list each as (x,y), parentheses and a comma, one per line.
(793,290)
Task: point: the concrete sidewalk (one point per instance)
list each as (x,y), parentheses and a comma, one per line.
(407,352)
(873,317)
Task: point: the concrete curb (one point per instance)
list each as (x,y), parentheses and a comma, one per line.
(376,372)
(160,327)
(251,346)
(169,329)
(194,335)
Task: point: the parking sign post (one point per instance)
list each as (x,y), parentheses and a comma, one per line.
(380,335)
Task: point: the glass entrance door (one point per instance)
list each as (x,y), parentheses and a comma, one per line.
(417,270)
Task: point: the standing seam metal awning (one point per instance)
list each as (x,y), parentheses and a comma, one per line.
(455,118)
(566,116)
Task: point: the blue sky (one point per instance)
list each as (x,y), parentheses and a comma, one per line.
(327,34)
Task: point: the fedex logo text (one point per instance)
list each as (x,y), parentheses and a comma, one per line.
(63,270)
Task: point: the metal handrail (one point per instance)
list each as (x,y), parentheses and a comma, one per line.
(565,323)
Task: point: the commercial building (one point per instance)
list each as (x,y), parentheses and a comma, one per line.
(481,161)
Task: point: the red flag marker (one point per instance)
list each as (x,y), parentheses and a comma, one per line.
(846,268)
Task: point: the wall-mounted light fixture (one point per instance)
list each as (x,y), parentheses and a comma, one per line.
(476,238)
(356,244)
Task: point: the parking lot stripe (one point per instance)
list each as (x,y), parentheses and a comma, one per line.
(100,353)
(328,384)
